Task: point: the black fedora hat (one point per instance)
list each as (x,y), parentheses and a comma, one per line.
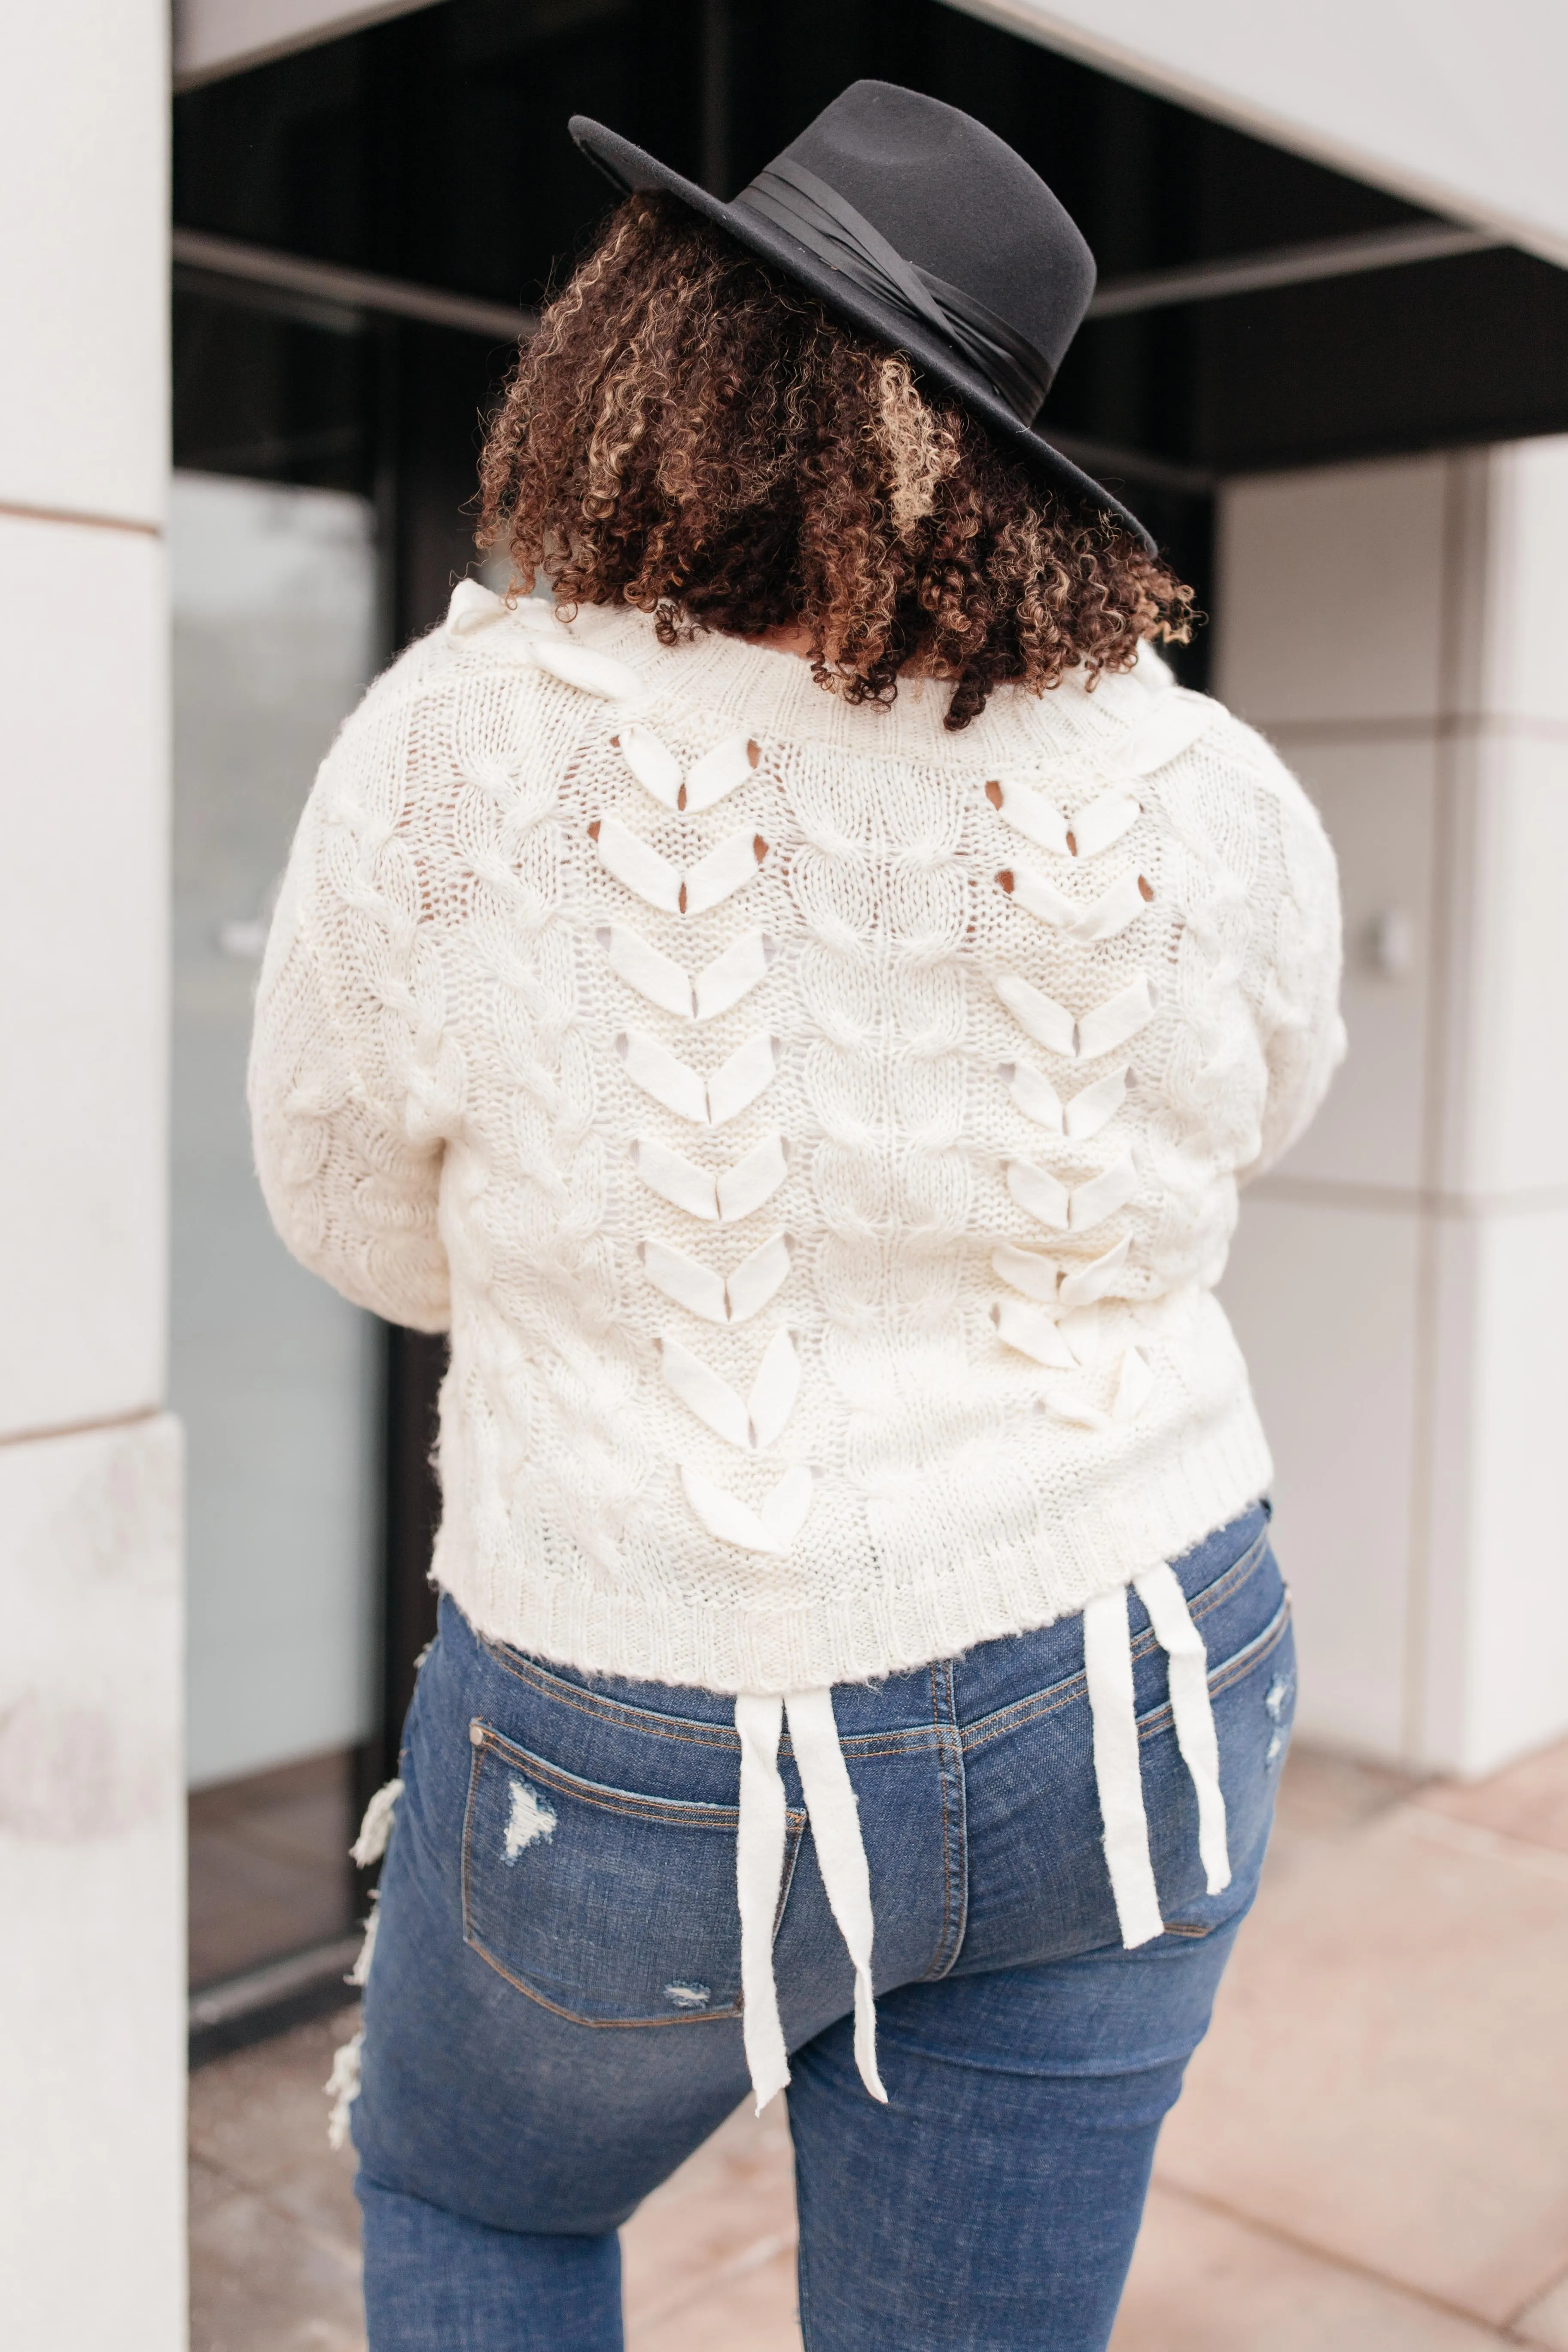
(914,222)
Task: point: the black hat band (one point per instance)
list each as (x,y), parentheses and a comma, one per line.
(827,225)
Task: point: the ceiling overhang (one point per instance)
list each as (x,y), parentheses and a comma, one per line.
(1453,107)
(214,38)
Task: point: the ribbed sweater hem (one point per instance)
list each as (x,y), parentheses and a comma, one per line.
(880,1629)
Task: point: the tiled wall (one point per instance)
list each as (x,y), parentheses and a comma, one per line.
(1400,1281)
(90,1783)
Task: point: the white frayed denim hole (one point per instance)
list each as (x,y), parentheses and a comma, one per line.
(376,1826)
(1276,1704)
(360,1972)
(341,2087)
(531,1820)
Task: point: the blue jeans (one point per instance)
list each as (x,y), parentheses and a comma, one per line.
(552,2019)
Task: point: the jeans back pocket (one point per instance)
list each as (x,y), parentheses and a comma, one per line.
(608,1908)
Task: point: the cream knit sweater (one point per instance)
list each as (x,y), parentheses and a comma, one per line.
(820,1133)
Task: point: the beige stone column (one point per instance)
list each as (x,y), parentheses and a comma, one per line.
(91,1849)
(1401,1282)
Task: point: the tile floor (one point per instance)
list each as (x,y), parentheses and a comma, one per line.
(270,1871)
(1371,2153)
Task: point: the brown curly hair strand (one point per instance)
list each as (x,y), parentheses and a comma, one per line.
(690,434)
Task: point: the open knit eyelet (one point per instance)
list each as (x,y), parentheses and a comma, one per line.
(671,888)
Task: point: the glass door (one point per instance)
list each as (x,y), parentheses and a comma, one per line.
(276,1379)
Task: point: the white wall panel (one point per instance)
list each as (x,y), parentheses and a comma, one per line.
(1514,1664)
(83,244)
(1515,1007)
(1329,594)
(1378,800)
(83,956)
(1459,107)
(91,1891)
(1416,1397)
(1526,666)
(91,1818)
(1324,1300)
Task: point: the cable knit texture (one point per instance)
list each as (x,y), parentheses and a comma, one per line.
(819,1132)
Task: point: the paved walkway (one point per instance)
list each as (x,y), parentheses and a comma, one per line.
(1371,2153)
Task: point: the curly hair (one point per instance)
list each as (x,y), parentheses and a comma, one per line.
(690,434)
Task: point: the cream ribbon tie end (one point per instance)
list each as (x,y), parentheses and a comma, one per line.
(1108,1668)
(759,1875)
(840,1856)
(473,606)
(760,1858)
(546,645)
(1162,1595)
(589,671)
(1118,1772)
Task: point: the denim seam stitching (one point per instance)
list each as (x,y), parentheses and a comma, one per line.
(684,1813)
(794,1828)
(909,1740)
(933,1966)
(599,2024)
(1063,1694)
(954,1757)
(611,1710)
(1235,1670)
(1051,1702)
(949,1761)
(690,1731)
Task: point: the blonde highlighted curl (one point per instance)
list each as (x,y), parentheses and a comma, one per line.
(691,434)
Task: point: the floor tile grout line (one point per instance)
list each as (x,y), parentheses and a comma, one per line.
(1345,2263)
(1485,1844)
(239,2186)
(754,2257)
(1558,2279)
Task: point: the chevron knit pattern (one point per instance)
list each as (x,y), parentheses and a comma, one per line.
(819,1132)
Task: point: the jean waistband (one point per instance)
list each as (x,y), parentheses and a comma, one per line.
(991,1676)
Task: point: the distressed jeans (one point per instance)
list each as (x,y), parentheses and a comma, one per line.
(552,2014)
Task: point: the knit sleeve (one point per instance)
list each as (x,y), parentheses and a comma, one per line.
(1297,987)
(345,1062)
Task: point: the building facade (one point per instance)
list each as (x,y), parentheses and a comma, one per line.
(1329,362)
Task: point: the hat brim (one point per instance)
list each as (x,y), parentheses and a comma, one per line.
(631,169)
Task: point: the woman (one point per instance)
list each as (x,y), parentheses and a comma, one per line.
(798,1013)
